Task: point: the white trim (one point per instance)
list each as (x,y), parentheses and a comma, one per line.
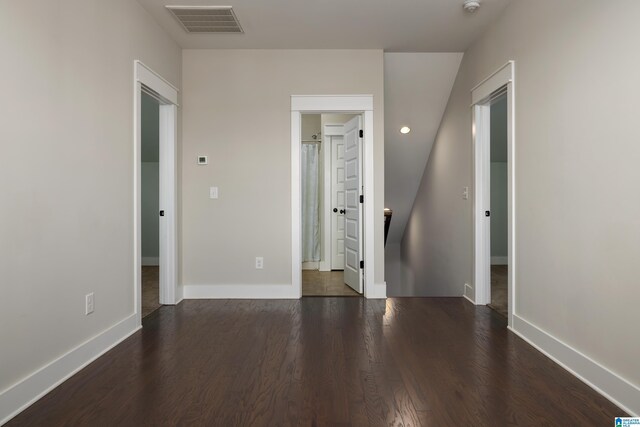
(481,203)
(496,80)
(499,260)
(150,261)
(468,293)
(296,197)
(378,291)
(241,291)
(468,299)
(155,82)
(609,384)
(326,148)
(168,202)
(20,396)
(333,129)
(332,103)
(151,82)
(355,104)
(504,76)
(329,130)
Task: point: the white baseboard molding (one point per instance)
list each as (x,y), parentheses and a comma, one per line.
(23,394)
(601,379)
(324,266)
(499,260)
(468,293)
(310,265)
(379,291)
(179,294)
(241,292)
(150,261)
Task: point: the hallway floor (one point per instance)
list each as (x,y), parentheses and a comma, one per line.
(322,362)
(150,289)
(325,284)
(499,281)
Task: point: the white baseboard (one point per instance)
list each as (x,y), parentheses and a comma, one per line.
(324,266)
(468,293)
(601,379)
(241,292)
(499,260)
(179,294)
(310,265)
(379,291)
(23,394)
(150,261)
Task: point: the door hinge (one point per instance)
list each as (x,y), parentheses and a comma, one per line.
(362,264)
(361,198)
(361,133)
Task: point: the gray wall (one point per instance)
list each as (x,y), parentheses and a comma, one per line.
(577,156)
(499,215)
(252,164)
(66,177)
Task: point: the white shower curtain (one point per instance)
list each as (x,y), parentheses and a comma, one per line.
(310,203)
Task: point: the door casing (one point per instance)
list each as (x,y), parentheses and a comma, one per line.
(481,95)
(154,85)
(344,104)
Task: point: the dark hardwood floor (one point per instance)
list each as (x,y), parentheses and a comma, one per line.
(322,362)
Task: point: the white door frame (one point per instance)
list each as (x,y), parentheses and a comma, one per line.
(329,130)
(153,84)
(318,104)
(481,113)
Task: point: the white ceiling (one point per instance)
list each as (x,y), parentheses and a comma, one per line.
(416,92)
(397,26)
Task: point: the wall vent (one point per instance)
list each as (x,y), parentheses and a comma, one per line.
(206,19)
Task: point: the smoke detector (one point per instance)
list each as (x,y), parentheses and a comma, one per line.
(471,5)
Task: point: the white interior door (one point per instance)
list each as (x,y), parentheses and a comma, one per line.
(353,214)
(337,203)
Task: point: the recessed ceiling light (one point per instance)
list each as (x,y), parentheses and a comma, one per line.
(405,129)
(471,5)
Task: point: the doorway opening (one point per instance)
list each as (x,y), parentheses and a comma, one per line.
(359,215)
(155,191)
(150,203)
(494,193)
(331,185)
(499,242)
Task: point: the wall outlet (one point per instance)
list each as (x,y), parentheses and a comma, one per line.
(259,263)
(213,192)
(465,193)
(88,304)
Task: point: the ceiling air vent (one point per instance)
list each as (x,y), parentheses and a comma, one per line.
(207,19)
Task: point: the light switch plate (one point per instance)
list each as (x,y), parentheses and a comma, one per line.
(89,304)
(465,193)
(213,192)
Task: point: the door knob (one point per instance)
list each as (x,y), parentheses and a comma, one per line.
(335,209)
(342,211)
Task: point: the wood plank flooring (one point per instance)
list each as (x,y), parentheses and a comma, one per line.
(150,289)
(499,291)
(325,283)
(322,362)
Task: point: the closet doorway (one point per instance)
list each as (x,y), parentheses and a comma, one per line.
(331,184)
